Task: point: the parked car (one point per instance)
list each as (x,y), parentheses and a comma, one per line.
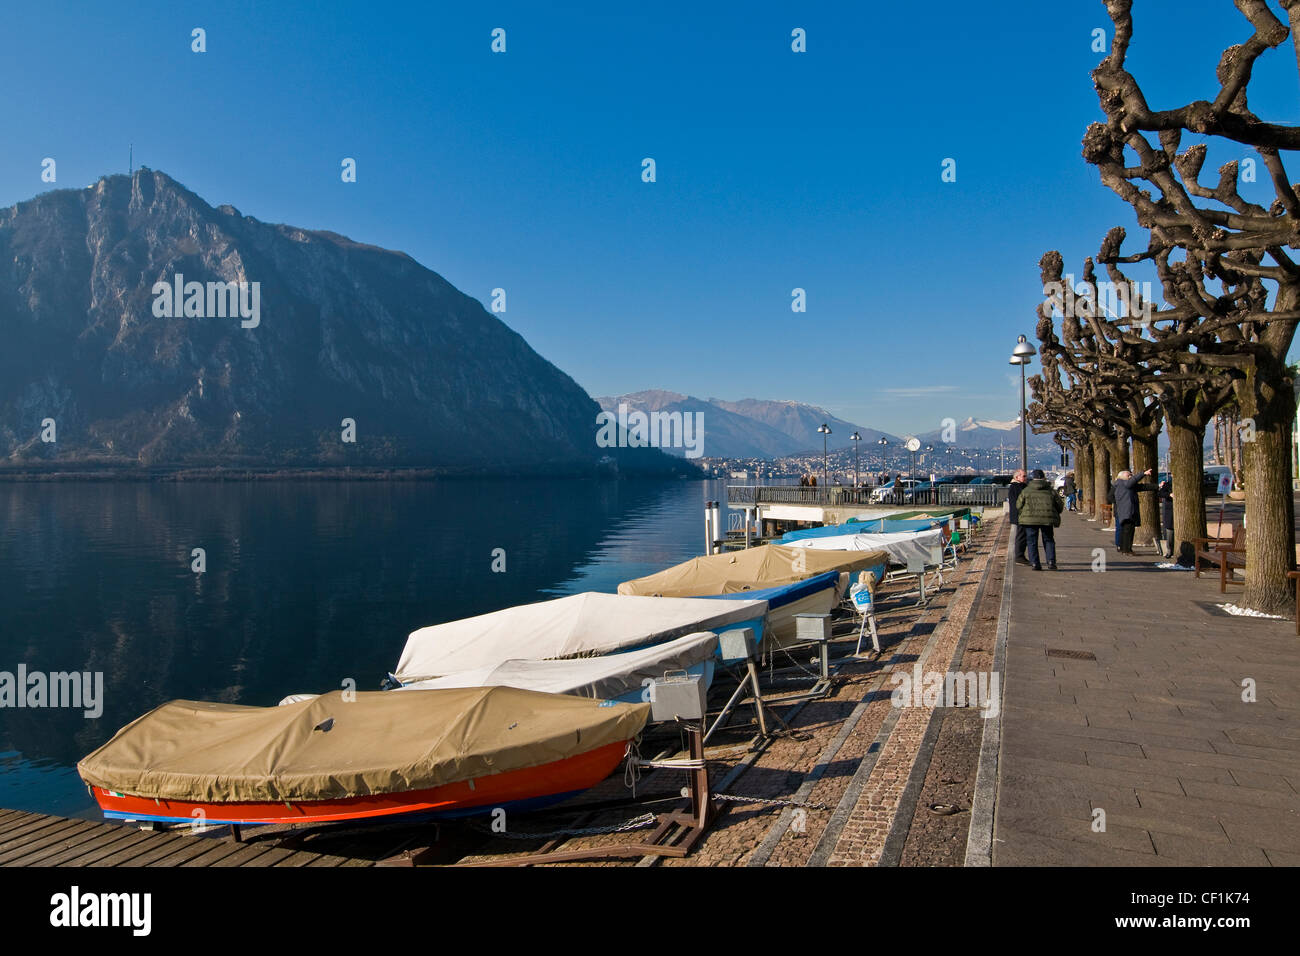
(887,491)
(1210,478)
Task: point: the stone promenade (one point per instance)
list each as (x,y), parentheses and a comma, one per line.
(1123,693)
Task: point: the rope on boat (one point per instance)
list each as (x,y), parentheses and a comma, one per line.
(672,764)
(636,823)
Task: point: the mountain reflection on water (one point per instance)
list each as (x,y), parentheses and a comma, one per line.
(306,584)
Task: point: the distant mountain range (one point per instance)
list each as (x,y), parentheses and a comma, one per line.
(751,428)
(987,435)
(142,327)
(754,428)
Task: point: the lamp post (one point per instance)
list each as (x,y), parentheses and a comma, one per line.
(882,443)
(1022,355)
(855,438)
(826,465)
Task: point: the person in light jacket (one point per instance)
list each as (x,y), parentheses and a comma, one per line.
(1039,510)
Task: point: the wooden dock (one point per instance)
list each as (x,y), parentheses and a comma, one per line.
(35,839)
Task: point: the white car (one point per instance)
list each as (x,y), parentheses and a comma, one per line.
(887,491)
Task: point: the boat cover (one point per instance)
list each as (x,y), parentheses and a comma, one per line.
(858,527)
(901,545)
(581,625)
(601,677)
(332,747)
(913,515)
(783,594)
(751,569)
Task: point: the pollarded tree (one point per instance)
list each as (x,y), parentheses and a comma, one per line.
(1125,354)
(1201,234)
(1069,407)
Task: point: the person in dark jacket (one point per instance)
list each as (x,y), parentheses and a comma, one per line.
(1013,495)
(1165,495)
(1070,490)
(1039,510)
(1127,486)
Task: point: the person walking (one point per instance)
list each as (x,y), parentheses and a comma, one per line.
(1070,490)
(1013,510)
(1039,510)
(1127,517)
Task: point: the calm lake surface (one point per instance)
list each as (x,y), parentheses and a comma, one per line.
(306,584)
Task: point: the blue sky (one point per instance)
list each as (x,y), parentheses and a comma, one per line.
(775,170)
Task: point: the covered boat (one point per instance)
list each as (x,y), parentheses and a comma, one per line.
(752,569)
(857,527)
(817,595)
(902,546)
(612,677)
(354,756)
(951,513)
(581,625)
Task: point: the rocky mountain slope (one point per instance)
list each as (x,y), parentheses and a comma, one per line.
(343,331)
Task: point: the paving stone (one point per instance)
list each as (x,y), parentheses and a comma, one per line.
(1171,752)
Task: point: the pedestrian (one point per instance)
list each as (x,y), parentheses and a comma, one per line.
(1110,502)
(1070,490)
(1039,510)
(1127,517)
(1013,496)
(1165,495)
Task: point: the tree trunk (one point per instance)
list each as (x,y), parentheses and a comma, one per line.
(1119,455)
(1186,465)
(1146,455)
(1101,473)
(1270,532)
(1083,478)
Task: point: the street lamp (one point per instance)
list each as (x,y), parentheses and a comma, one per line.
(826,467)
(1022,355)
(855,438)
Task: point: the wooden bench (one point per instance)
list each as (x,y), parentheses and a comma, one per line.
(1295,576)
(1227,553)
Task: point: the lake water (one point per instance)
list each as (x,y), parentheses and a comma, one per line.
(306,584)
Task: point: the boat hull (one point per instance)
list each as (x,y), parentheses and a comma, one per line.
(527,789)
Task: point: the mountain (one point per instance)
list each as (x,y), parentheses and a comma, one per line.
(749,428)
(987,434)
(800,422)
(101,293)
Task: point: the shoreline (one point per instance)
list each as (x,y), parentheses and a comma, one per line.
(176,475)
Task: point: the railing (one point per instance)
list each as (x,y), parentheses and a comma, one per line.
(797,495)
(986,496)
(951,495)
